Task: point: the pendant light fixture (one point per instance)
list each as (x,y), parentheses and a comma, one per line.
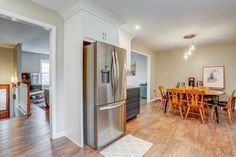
(189,45)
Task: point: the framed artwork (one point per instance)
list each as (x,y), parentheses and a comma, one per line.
(132,72)
(191,81)
(199,84)
(214,77)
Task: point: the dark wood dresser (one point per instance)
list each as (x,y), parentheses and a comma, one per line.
(133,102)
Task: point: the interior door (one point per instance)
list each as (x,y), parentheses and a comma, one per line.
(4,101)
(120,86)
(104,79)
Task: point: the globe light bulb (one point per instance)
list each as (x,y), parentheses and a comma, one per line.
(192,48)
(189,52)
(185,57)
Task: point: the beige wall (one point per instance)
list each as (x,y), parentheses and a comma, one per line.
(8,68)
(172,68)
(7,65)
(31,10)
(139,47)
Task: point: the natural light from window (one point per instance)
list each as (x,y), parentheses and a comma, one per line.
(45,72)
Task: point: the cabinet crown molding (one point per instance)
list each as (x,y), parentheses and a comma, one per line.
(77,5)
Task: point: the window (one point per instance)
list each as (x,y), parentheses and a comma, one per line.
(45,72)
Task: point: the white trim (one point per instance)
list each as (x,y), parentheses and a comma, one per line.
(59,134)
(18,18)
(148,72)
(75,6)
(154,99)
(53,88)
(89,40)
(80,145)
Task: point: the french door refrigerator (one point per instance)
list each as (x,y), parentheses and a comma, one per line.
(104,88)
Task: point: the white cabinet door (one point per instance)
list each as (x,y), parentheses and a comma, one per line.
(111,33)
(93,27)
(96,28)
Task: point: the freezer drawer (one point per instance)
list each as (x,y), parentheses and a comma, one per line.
(110,123)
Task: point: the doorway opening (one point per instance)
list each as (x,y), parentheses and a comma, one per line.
(32,83)
(140,65)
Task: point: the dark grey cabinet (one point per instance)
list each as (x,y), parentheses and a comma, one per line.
(133,103)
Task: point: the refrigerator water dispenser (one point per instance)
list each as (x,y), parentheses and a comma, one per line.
(105,74)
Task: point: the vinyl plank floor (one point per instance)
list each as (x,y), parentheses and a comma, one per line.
(171,136)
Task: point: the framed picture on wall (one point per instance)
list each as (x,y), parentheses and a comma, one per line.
(214,77)
(191,81)
(132,72)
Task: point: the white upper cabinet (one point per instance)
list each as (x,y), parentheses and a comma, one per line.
(93,27)
(111,33)
(98,29)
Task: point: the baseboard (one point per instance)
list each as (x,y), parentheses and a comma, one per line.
(64,134)
(154,99)
(59,134)
(81,146)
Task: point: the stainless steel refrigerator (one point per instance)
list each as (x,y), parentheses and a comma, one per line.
(104,88)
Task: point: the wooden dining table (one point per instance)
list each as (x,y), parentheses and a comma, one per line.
(208,93)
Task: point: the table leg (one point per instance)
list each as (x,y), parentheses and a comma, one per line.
(166,102)
(216,109)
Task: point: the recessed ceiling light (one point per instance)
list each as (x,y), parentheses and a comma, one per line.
(137,27)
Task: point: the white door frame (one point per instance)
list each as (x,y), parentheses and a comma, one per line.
(148,72)
(52,29)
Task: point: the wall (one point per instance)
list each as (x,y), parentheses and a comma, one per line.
(141,70)
(30,62)
(7,64)
(73,68)
(125,42)
(173,68)
(7,69)
(31,10)
(153,57)
(73,77)
(18,49)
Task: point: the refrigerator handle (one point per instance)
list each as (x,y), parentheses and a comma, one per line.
(117,70)
(110,107)
(113,75)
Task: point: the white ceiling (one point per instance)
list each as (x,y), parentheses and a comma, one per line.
(56,5)
(32,38)
(164,22)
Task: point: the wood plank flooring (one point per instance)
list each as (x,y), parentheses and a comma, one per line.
(171,136)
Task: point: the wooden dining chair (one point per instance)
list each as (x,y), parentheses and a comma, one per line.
(175,99)
(206,99)
(226,106)
(163,95)
(195,102)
